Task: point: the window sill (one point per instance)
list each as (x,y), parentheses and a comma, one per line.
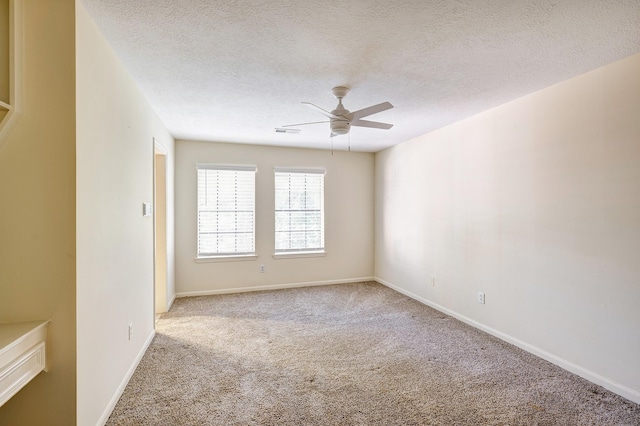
(293,255)
(239,258)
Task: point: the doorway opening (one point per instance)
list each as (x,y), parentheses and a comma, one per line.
(160,229)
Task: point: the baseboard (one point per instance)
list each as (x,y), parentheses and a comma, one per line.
(125,380)
(170,304)
(617,388)
(271,287)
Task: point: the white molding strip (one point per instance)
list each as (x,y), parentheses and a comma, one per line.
(170,304)
(125,381)
(13,105)
(624,391)
(271,287)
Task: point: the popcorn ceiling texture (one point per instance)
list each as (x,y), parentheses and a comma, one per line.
(352,354)
(234,70)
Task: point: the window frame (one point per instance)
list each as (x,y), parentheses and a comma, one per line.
(226,256)
(304,252)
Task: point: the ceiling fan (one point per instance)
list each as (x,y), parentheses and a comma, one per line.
(341,119)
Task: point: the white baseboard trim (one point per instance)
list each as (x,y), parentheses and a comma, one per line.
(624,391)
(271,287)
(125,381)
(170,304)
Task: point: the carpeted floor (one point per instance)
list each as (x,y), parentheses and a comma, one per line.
(351,354)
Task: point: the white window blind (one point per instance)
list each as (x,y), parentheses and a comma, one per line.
(226,210)
(299,212)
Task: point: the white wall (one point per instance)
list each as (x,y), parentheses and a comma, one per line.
(115,132)
(537,204)
(348,219)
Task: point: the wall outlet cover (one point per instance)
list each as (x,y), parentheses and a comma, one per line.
(147,209)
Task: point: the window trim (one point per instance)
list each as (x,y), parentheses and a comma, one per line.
(301,253)
(226,257)
(310,170)
(295,255)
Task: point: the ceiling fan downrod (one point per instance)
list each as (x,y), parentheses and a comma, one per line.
(341,124)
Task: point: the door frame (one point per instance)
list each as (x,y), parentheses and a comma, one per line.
(160,290)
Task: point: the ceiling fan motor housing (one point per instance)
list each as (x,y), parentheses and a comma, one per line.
(340,127)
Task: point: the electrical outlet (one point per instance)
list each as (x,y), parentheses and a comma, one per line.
(481,297)
(261,269)
(433,282)
(130,331)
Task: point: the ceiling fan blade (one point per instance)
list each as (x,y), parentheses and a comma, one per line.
(373,124)
(369,111)
(320,110)
(304,124)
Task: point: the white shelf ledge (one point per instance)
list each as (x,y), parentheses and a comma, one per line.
(22,355)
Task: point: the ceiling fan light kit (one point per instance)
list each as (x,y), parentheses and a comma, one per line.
(340,127)
(341,119)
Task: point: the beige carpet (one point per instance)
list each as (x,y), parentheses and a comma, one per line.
(352,354)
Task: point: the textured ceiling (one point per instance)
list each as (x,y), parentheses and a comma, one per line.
(234,70)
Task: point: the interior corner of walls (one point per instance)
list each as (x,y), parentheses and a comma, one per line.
(170,304)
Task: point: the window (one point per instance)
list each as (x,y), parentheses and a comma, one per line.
(226,210)
(299,201)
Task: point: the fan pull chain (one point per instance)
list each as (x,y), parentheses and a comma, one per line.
(349,141)
(331,139)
